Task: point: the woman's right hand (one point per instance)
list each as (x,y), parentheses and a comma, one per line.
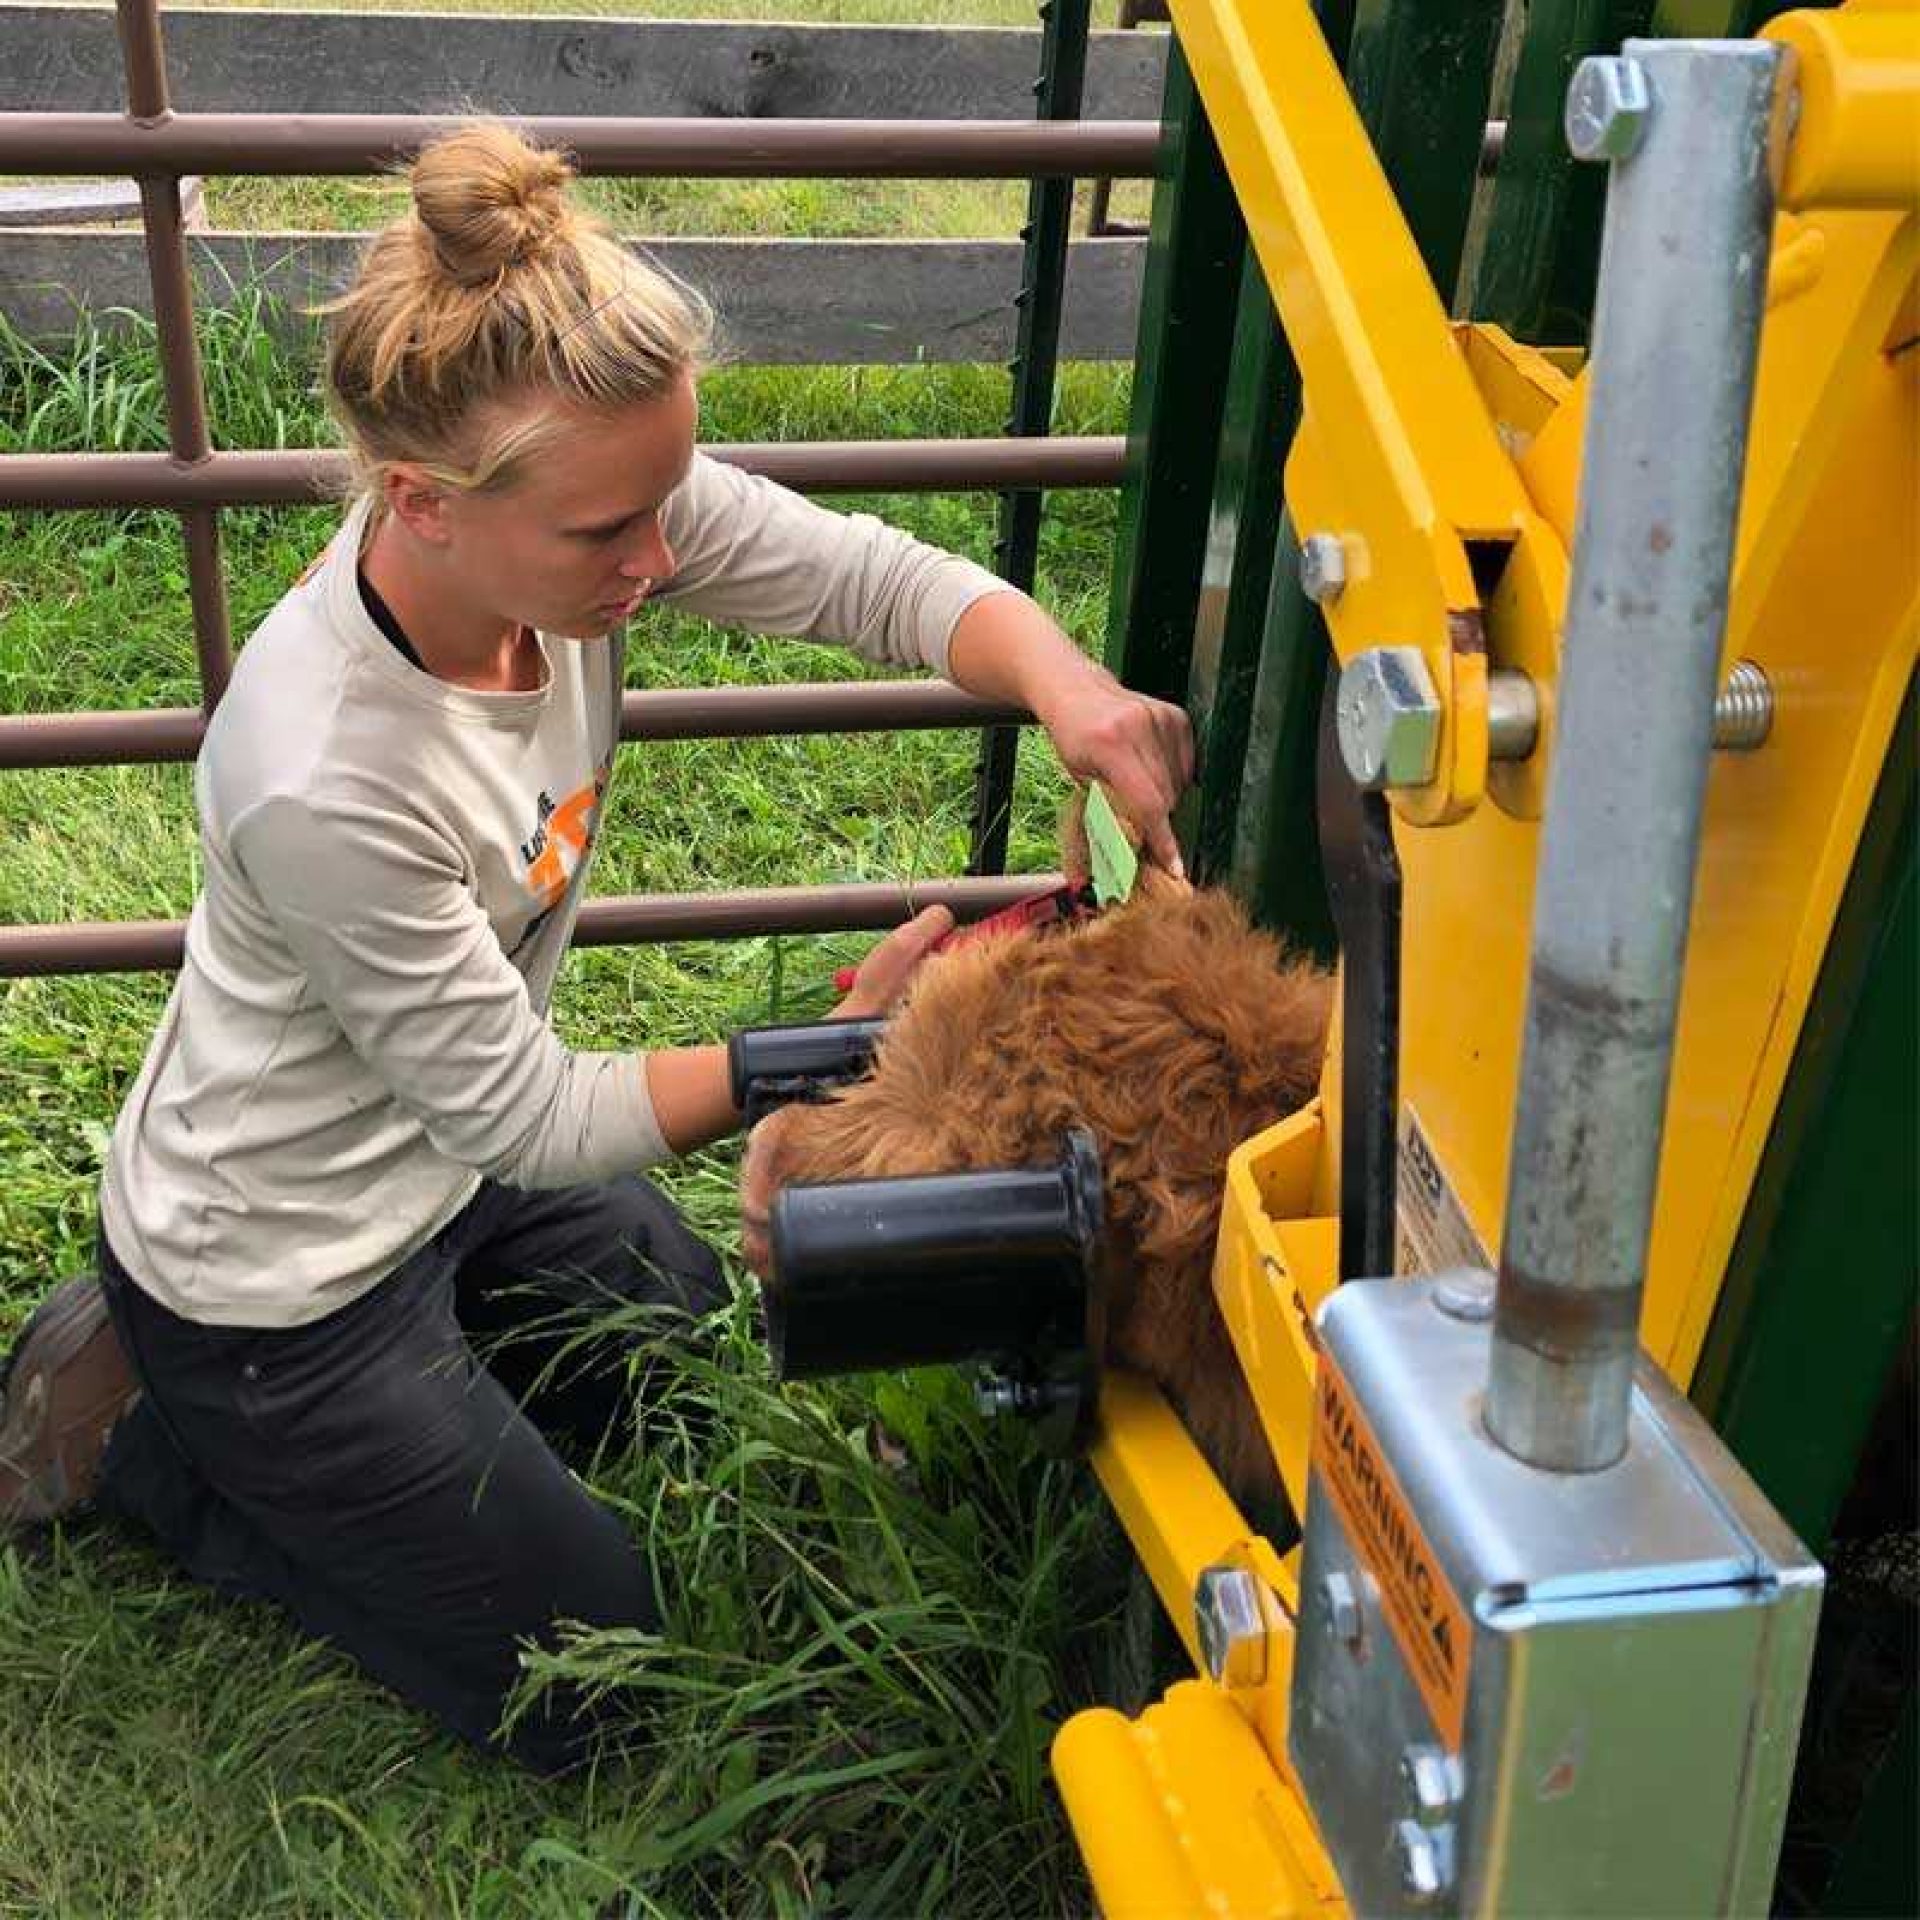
(884,975)
(761,1177)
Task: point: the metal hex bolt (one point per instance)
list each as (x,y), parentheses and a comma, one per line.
(1608,105)
(1343,1609)
(996,1398)
(1233,1629)
(1464,1293)
(1323,567)
(1423,1867)
(1429,1780)
(1388,719)
(1742,712)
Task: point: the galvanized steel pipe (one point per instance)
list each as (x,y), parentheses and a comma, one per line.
(1688,126)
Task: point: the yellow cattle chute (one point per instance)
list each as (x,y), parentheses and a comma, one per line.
(1422,442)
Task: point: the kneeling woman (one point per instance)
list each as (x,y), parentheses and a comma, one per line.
(356,1140)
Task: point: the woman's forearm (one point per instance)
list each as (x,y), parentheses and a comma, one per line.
(692,1095)
(1004,647)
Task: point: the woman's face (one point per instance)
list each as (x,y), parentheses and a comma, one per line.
(574,545)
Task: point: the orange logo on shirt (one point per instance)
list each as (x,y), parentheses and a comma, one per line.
(561,840)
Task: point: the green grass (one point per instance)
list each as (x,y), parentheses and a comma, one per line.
(675,209)
(849,1710)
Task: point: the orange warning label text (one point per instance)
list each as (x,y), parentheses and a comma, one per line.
(1422,1610)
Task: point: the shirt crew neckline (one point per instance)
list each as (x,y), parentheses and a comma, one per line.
(374,651)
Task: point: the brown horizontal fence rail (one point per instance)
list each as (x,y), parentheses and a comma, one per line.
(923,298)
(304,477)
(334,143)
(159,146)
(164,734)
(147,946)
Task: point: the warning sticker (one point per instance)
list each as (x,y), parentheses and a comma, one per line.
(1434,1231)
(1423,1612)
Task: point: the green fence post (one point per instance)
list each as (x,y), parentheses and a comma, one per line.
(1535,263)
(1421,76)
(1275,864)
(1817,1302)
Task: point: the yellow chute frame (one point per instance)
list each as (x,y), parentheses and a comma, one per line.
(1419,441)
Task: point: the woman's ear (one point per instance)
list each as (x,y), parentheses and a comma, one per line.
(419,502)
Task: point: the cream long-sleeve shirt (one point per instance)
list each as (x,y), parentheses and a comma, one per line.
(393,868)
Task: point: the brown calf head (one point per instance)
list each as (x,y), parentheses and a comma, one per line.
(1171,1030)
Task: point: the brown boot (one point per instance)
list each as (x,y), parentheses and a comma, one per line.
(64,1387)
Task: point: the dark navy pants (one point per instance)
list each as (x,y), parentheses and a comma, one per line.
(396,1495)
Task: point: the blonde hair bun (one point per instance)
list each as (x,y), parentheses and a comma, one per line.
(489,202)
(498,294)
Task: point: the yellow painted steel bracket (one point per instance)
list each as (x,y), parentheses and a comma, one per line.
(1192,1807)
(1397,456)
(1855,77)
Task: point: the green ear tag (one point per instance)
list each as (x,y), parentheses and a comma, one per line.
(1115,864)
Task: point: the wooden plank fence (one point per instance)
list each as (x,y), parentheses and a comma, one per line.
(249,60)
(833,302)
(785,301)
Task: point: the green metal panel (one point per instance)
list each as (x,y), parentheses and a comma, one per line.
(1821,1281)
(1194,255)
(1877,1873)
(1421,76)
(1275,866)
(1262,406)
(1535,269)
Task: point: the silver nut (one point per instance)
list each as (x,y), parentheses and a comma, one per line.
(1233,1628)
(1423,1862)
(1343,1609)
(1388,719)
(1323,567)
(1428,1776)
(1608,106)
(1464,1293)
(996,1398)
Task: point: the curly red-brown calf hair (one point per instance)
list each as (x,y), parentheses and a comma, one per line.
(1171,1030)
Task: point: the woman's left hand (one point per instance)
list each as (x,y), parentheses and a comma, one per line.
(1140,749)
